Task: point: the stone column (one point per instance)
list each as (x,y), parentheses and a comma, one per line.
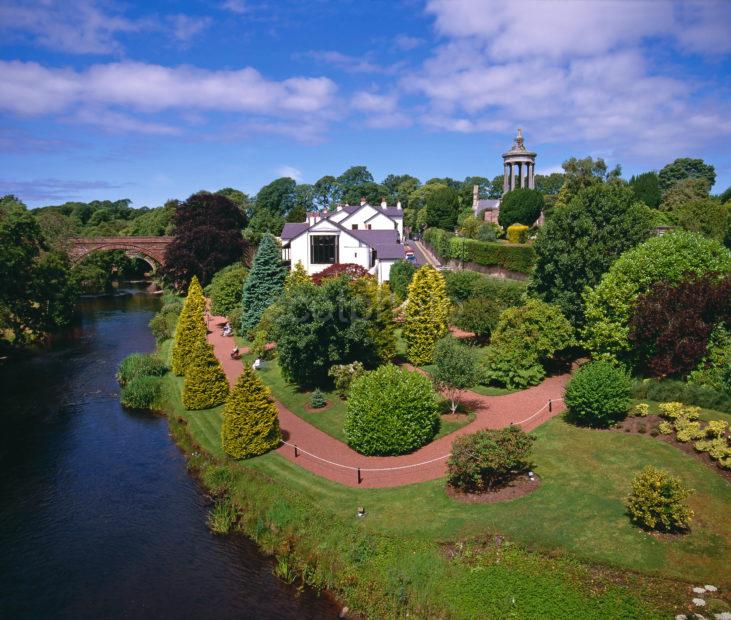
(506,179)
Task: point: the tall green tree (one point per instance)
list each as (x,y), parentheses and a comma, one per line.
(548,184)
(264,284)
(250,419)
(520,206)
(442,207)
(205,384)
(684,191)
(456,369)
(207,237)
(327,193)
(686,168)
(277,198)
(581,241)
(398,187)
(356,183)
(646,187)
(427,314)
(190,328)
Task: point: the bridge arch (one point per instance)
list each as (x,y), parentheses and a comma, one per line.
(149,249)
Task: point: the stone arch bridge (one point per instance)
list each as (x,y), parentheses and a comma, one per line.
(149,249)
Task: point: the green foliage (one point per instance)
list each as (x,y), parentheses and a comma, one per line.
(264,284)
(520,206)
(277,197)
(162,325)
(682,192)
(250,419)
(140,365)
(477,315)
(646,188)
(222,517)
(714,371)
(685,168)
(205,384)
(317,399)
(464,284)
(669,390)
(390,411)
(517,233)
(456,369)
(225,289)
(334,323)
(706,216)
(402,271)
(511,367)
(296,276)
(519,258)
(580,242)
(190,329)
(668,259)
(598,394)
(343,376)
(657,501)
(142,392)
(427,312)
(487,459)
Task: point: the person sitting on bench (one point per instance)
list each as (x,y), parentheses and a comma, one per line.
(235,354)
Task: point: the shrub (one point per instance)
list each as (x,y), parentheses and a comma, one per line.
(670,258)
(714,371)
(142,392)
(402,271)
(250,420)
(317,399)
(427,312)
(205,383)
(477,315)
(390,411)
(264,284)
(226,288)
(297,275)
(486,459)
(672,410)
(350,270)
(598,394)
(517,233)
(657,501)
(667,389)
(520,206)
(666,428)
(717,448)
(672,323)
(511,367)
(641,410)
(688,431)
(190,329)
(140,365)
(162,325)
(716,428)
(343,376)
(234,320)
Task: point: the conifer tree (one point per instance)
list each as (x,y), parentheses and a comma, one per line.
(250,420)
(205,383)
(427,312)
(264,284)
(190,328)
(298,275)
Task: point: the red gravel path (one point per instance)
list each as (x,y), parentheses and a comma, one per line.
(490,411)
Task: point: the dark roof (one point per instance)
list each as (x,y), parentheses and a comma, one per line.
(487,204)
(375,237)
(390,251)
(291,230)
(392,211)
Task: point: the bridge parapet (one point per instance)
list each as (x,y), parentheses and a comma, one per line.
(152,248)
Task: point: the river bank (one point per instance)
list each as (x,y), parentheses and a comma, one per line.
(100,518)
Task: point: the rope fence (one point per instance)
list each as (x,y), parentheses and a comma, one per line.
(359,470)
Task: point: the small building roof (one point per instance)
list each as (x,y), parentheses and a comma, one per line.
(292,229)
(390,251)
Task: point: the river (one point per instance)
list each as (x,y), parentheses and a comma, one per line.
(98,515)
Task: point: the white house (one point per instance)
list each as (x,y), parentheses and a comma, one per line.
(366,235)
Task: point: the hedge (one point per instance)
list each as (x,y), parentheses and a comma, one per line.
(520,258)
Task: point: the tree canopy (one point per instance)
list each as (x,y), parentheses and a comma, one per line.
(520,206)
(686,168)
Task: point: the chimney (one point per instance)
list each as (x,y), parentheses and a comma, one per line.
(339,208)
(475,196)
(362,200)
(398,204)
(383,203)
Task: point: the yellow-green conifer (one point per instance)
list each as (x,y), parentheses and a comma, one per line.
(297,275)
(427,314)
(250,420)
(205,383)
(191,327)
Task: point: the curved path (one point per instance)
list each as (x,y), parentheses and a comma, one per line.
(490,412)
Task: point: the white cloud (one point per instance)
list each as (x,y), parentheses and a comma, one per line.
(235,6)
(407,43)
(185,27)
(291,172)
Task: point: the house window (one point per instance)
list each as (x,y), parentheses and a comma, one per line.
(323,249)
(354,226)
(369,227)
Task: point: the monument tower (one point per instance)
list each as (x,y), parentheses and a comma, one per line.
(519,166)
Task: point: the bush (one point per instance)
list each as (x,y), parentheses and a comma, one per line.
(456,369)
(250,419)
(391,411)
(317,399)
(598,394)
(343,376)
(140,365)
(520,206)
(657,501)
(205,384)
(426,316)
(226,288)
(717,448)
(477,315)
(142,392)
(517,233)
(667,390)
(162,325)
(670,258)
(234,320)
(511,367)
(402,271)
(641,410)
(486,459)
(714,370)
(190,329)
(349,270)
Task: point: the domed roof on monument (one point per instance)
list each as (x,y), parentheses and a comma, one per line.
(518,149)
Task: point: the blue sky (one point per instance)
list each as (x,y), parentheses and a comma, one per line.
(155,100)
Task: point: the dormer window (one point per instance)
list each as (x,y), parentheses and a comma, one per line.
(354,227)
